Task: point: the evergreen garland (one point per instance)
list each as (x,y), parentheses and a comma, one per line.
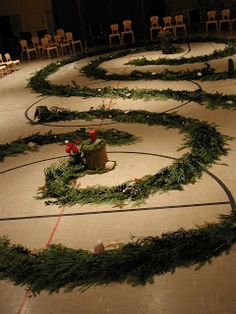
(135,263)
(207,73)
(206,143)
(112,137)
(229,50)
(92,70)
(39,84)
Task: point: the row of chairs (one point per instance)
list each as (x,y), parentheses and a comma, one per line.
(155,26)
(225,18)
(169,25)
(57,43)
(8,65)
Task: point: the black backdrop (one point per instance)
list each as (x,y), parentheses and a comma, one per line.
(78,15)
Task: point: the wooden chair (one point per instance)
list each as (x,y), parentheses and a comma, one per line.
(62,45)
(47,47)
(50,40)
(114,33)
(225,18)
(3,70)
(179,23)
(5,64)
(36,44)
(168,24)
(15,64)
(72,42)
(27,50)
(154,25)
(127,30)
(61,32)
(211,20)
(232,23)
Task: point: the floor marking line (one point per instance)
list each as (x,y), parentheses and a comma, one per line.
(28,295)
(55,227)
(88,213)
(117,86)
(22,305)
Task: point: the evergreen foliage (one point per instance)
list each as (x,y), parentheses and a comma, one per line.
(231,70)
(139,261)
(112,137)
(229,50)
(39,84)
(135,263)
(206,143)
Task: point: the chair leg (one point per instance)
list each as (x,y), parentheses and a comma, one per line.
(133,37)
(73,48)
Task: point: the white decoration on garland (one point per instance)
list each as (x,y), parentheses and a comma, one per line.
(109,165)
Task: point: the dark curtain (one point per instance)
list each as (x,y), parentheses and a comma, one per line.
(66,16)
(81,16)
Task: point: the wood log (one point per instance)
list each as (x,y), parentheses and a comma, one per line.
(95,154)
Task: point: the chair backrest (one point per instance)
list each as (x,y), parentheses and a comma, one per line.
(69,36)
(1,59)
(225,14)
(24,44)
(49,36)
(167,20)
(114,28)
(7,57)
(35,40)
(127,25)
(45,42)
(154,21)
(179,19)
(60,32)
(57,39)
(211,15)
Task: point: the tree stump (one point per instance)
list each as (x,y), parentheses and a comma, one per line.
(95,154)
(231,69)
(166,41)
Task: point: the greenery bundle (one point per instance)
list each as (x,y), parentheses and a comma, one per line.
(135,263)
(229,50)
(206,143)
(112,137)
(39,84)
(139,261)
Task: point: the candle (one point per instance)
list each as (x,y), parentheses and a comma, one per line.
(92,134)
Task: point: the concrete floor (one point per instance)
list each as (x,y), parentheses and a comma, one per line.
(210,290)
